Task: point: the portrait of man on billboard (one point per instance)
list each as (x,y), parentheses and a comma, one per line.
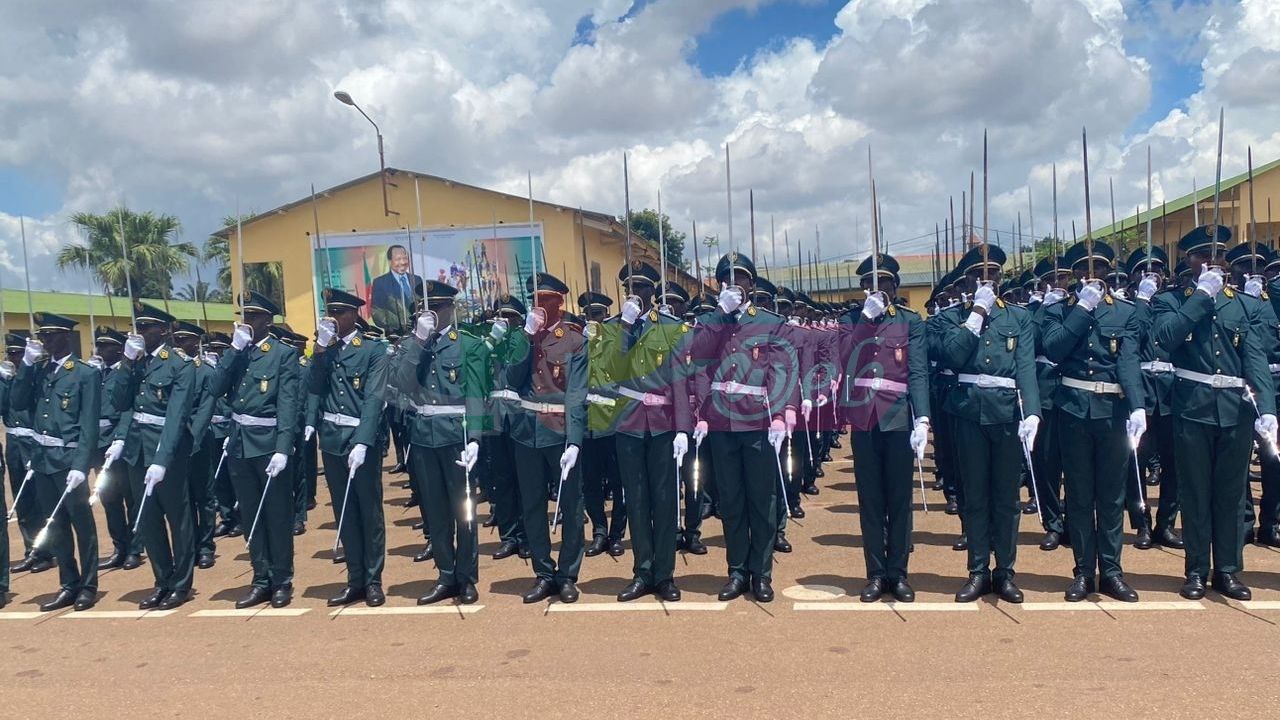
(395,292)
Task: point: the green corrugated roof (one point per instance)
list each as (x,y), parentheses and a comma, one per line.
(1184,202)
(15,303)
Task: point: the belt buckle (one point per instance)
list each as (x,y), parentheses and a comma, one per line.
(876,383)
(984,381)
(652,399)
(1099,388)
(1220,381)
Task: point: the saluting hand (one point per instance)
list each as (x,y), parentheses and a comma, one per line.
(242,336)
(134,346)
(32,353)
(535,320)
(326,332)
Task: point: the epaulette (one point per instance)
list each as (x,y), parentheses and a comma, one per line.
(182,354)
(765,311)
(356,341)
(468,333)
(613,318)
(69,365)
(906,308)
(669,316)
(164,354)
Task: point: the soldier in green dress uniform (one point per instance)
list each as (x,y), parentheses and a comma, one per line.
(220,428)
(506,420)
(599,459)
(302,475)
(187,338)
(114,492)
(18,449)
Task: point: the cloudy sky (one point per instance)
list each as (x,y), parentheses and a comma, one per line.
(186,107)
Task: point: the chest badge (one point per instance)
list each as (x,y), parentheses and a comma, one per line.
(755,353)
(69,365)
(356,341)
(66,403)
(453,375)
(555,371)
(266,347)
(559,332)
(897,355)
(1011,344)
(262,385)
(355,382)
(659,360)
(1115,346)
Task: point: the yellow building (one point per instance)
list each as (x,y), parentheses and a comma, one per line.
(581,247)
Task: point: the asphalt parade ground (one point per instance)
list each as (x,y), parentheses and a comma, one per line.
(816,651)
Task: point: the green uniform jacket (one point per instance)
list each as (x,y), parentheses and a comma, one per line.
(261,381)
(505,416)
(891,347)
(202,405)
(161,385)
(1098,346)
(550,367)
(749,348)
(109,418)
(1215,336)
(1047,373)
(449,370)
(350,379)
(1004,348)
(602,397)
(64,400)
(943,378)
(1157,386)
(656,362)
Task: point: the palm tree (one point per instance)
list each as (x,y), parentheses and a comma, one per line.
(266,278)
(153,256)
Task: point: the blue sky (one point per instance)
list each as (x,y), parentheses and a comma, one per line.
(738,34)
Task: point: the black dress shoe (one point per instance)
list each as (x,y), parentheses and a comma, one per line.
(708,511)
(1117,589)
(235,531)
(615,548)
(1229,586)
(1193,588)
(1269,536)
(781,544)
(22,565)
(131,562)
(762,589)
(491,521)
(257,595)
(1143,540)
(595,548)
(1008,591)
(175,599)
(86,599)
(221,530)
(114,561)
(952,508)
(418,525)
(439,592)
(902,592)
(976,587)
(206,561)
(39,565)
(347,596)
(506,549)
(339,557)
(1166,537)
(1050,541)
(153,600)
(810,488)
(819,472)
(1079,589)
(569,592)
(397,469)
(732,589)
(299,528)
(425,555)
(873,590)
(4,598)
(540,591)
(938,485)
(282,595)
(468,595)
(373,595)
(64,599)
(696,546)
(961,544)
(635,589)
(667,591)
(525,553)
(411,502)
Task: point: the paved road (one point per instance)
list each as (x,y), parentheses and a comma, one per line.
(814,652)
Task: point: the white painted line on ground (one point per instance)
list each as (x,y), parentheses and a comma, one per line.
(251,613)
(683,606)
(813,592)
(1260,604)
(20,615)
(117,614)
(1113,606)
(886,607)
(425,610)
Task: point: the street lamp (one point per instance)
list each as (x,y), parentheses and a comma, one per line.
(345,98)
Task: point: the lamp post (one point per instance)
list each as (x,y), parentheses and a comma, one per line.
(345,98)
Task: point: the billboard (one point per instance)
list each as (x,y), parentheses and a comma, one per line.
(385,267)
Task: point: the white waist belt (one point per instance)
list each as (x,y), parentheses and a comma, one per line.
(601,400)
(988,381)
(739,388)
(342,420)
(542,407)
(505,395)
(1274,367)
(946,372)
(441,409)
(104,424)
(650,399)
(1159,366)
(219,418)
(1046,361)
(1097,388)
(878,384)
(20,432)
(51,441)
(253,421)
(148,418)
(1214,381)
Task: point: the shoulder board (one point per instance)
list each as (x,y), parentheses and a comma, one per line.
(1124,301)
(669,316)
(466,333)
(69,365)
(355,341)
(905,308)
(614,318)
(765,312)
(181,353)
(164,354)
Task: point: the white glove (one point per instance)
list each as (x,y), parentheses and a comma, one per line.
(242,336)
(699,431)
(873,307)
(1053,297)
(1147,287)
(326,332)
(1253,286)
(307,432)
(1037,296)
(499,330)
(113,453)
(679,446)
(1089,295)
(33,352)
(806,408)
(823,400)
(920,436)
(777,433)
(794,321)
(1209,282)
(276,464)
(355,458)
(730,299)
(1266,427)
(470,453)
(534,321)
(210,359)
(95,362)
(1135,426)
(1121,293)
(568,459)
(425,327)
(1027,430)
(985,297)
(7,370)
(630,311)
(154,476)
(75,479)
(789,417)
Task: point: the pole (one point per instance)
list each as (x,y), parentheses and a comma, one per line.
(1217,192)
(1054,241)
(751,201)
(875,225)
(26,271)
(533,242)
(128,282)
(951,232)
(626,194)
(1195,202)
(1088,211)
(697,268)
(662,253)
(985,205)
(1150,210)
(1253,222)
(1111,188)
(728,192)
